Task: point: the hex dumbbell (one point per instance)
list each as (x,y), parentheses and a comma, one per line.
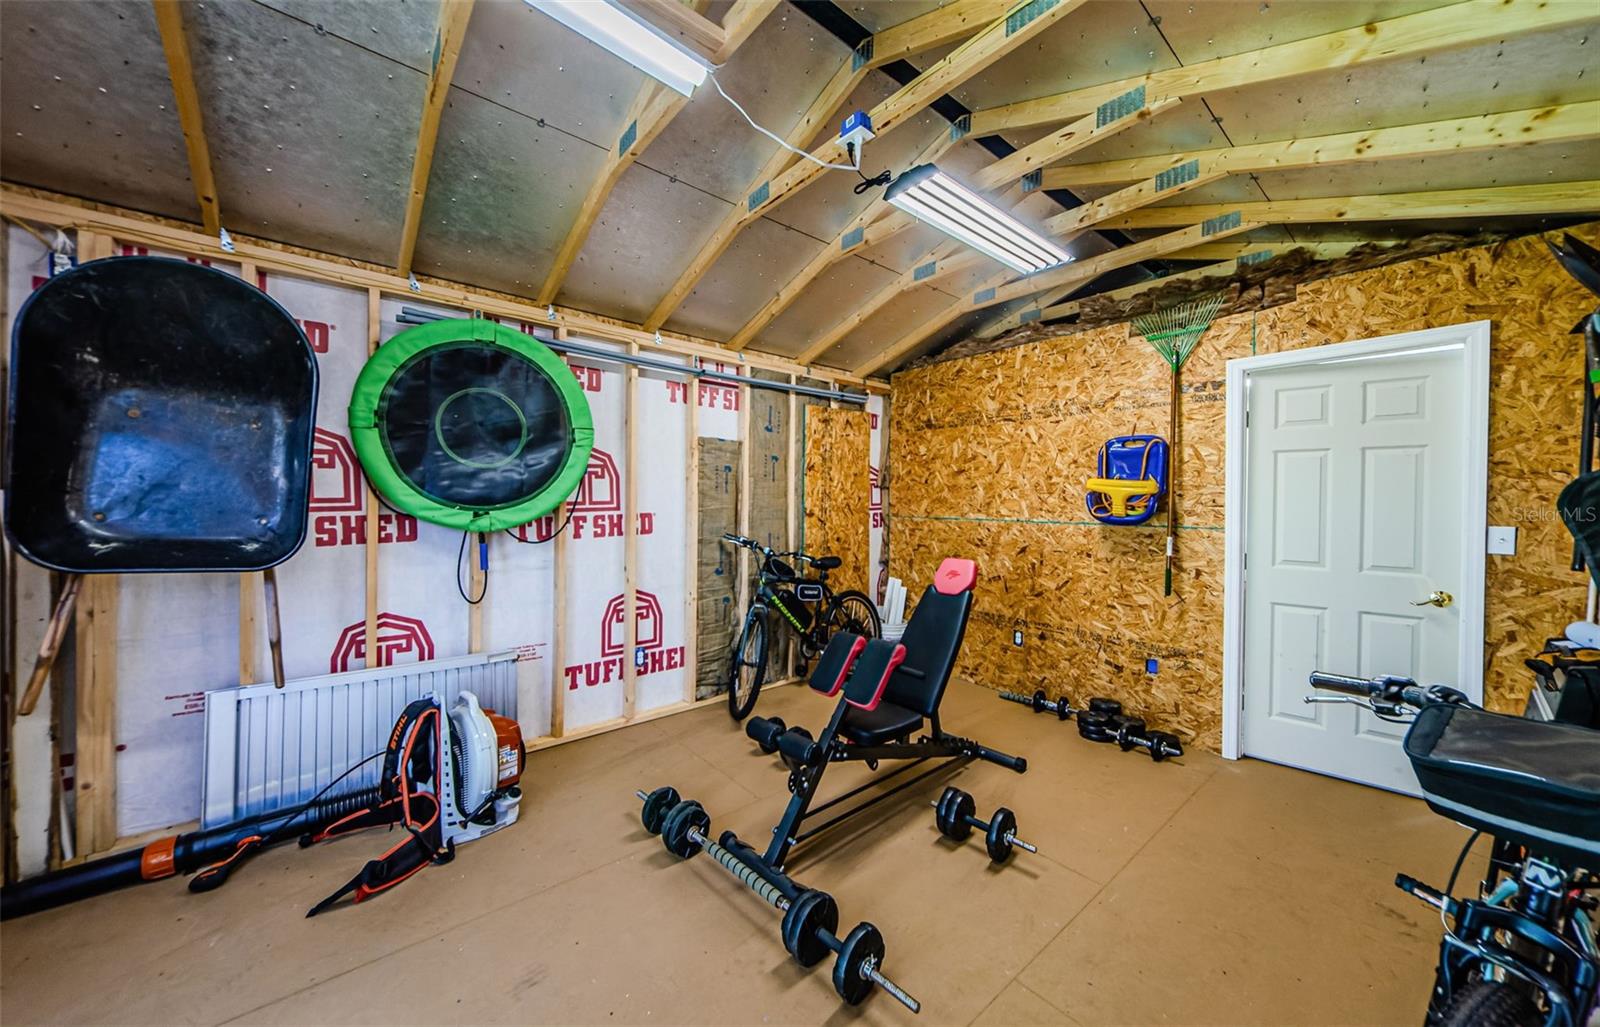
(809,919)
(956,814)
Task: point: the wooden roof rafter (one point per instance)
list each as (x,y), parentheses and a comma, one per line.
(180,70)
(651,112)
(1455,26)
(1018,24)
(451,33)
(1095,128)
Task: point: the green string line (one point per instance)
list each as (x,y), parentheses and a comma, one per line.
(1042,520)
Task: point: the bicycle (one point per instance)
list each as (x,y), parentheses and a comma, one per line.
(807,606)
(1524,952)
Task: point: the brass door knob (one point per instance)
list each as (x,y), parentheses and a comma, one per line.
(1439,599)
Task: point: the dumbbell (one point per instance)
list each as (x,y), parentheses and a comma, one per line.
(809,919)
(1158,744)
(955,813)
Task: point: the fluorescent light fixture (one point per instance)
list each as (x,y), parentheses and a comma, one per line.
(930,195)
(630,38)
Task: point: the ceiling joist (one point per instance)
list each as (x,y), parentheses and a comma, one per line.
(1005,286)
(652,111)
(1469,23)
(1093,129)
(775,185)
(1545,198)
(453,18)
(180,69)
(1562,123)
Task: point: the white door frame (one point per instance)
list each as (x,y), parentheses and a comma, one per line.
(1473,337)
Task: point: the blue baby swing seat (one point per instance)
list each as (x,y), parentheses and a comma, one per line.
(1130,479)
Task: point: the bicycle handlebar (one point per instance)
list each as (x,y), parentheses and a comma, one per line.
(1388,690)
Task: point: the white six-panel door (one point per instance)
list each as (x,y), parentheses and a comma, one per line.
(1356,471)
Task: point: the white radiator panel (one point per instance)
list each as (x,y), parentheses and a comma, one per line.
(267,748)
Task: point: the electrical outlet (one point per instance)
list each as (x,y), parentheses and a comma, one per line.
(1502,540)
(1016,639)
(1152,665)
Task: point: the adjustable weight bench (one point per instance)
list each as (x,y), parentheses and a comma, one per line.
(888,692)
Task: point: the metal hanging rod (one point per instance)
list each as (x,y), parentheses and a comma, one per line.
(414,316)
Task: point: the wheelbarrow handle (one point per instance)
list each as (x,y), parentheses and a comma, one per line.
(54,632)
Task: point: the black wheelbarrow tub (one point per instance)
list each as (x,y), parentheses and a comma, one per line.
(161,420)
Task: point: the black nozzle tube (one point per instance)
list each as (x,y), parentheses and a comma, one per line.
(175,854)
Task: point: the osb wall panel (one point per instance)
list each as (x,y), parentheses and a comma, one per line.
(838,491)
(1000,444)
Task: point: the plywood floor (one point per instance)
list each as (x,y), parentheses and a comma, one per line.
(1193,892)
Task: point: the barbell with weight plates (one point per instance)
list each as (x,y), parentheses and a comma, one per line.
(1061,706)
(809,920)
(956,814)
(1103,726)
(656,807)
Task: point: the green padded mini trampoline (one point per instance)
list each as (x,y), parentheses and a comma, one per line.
(470,424)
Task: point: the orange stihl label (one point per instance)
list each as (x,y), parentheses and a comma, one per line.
(156,860)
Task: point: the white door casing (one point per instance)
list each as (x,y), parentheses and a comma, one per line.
(1356,486)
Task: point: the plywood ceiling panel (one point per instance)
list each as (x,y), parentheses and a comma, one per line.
(1200,30)
(762,259)
(1528,71)
(103,127)
(502,195)
(525,60)
(312,136)
(638,244)
(775,76)
(403,32)
(835,294)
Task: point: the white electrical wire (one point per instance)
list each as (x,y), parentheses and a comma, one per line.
(792,149)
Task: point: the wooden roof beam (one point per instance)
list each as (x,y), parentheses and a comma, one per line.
(1557,123)
(774,185)
(180,69)
(1093,129)
(1005,286)
(453,18)
(1494,201)
(1458,25)
(652,111)
(1562,123)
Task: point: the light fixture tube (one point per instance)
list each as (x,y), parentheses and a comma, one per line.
(630,38)
(930,195)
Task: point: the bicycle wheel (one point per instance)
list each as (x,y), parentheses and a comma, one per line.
(1490,1004)
(854,612)
(749,664)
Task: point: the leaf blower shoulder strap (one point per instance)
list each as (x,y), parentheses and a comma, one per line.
(411,761)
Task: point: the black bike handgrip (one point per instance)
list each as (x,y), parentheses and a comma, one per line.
(1342,683)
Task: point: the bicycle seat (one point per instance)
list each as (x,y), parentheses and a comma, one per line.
(826,563)
(1536,782)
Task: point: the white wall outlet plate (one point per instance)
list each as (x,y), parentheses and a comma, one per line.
(1016,638)
(1502,540)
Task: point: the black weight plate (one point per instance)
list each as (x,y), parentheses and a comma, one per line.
(813,910)
(861,944)
(1004,822)
(1038,701)
(683,817)
(657,806)
(1063,708)
(1163,745)
(1100,704)
(1095,726)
